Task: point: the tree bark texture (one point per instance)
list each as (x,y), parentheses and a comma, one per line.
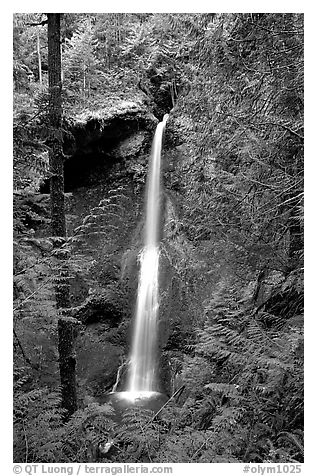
(56,158)
(66,326)
(39,56)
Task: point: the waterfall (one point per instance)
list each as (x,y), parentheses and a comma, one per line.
(142,371)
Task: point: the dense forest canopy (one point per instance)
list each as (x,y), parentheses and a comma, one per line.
(232,248)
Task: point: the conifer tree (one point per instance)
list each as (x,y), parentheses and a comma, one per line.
(66,332)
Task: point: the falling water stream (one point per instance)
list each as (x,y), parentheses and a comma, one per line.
(143,354)
(142,370)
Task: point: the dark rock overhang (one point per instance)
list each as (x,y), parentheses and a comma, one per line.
(94,141)
(105,128)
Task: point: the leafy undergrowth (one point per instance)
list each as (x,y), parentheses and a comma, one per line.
(235,242)
(243,402)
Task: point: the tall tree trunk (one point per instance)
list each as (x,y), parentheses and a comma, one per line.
(66,326)
(39,55)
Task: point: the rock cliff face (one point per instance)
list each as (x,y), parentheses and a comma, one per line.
(105,173)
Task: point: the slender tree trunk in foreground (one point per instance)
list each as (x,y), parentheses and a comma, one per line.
(39,56)
(66,325)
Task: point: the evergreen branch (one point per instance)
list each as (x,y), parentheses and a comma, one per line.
(281,32)
(279,205)
(76,233)
(284,191)
(291,131)
(258,182)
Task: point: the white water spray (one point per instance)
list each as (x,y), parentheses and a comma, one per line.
(142,372)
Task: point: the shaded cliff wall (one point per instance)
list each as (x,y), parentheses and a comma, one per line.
(105,175)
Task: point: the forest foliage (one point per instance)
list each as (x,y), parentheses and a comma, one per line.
(234,83)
